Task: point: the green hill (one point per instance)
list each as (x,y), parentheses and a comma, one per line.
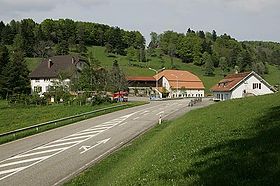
(141,68)
(229,143)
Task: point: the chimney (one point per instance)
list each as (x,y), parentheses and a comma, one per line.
(50,63)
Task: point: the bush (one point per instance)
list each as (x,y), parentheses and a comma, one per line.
(23,99)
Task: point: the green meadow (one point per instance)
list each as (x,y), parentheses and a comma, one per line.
(229,143)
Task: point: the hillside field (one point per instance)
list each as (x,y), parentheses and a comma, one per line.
(229,143)
(141,68)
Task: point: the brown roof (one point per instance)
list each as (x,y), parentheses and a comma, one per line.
(140,78)
(59,64)
(185,79)
(229,82)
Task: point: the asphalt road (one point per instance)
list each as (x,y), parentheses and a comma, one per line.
(52,157)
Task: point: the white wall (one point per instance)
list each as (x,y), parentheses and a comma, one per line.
(45,83)
(165,84)
(222,95)
(247,85)
(186,93)
(42,83)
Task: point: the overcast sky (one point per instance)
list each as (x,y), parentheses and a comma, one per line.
(242,19)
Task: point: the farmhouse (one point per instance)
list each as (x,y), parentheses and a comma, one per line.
(241,85)
(53,70)
(168,83)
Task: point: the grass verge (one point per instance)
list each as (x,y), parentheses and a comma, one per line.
(19,117)
(230,143)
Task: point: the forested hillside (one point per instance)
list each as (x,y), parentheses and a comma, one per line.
(211,51)
(210,56)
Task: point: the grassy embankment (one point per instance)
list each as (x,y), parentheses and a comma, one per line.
(141,69)
(12,118)
(230,143)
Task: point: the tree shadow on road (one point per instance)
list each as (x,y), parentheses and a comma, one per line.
(254,160)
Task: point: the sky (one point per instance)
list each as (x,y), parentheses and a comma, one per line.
(242,19)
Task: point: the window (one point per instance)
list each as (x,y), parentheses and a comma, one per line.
(222,96)
(38,89)
(260,86)
(256,85)
(37,80)
(218,96)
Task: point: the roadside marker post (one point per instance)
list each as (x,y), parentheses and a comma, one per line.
(159,120)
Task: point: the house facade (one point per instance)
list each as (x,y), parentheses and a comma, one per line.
(241,85)
(169,83)
(54,70)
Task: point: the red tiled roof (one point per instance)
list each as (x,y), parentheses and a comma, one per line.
(229,82)
(185,79)
(140,78)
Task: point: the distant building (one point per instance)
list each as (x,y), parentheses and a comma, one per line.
(168,83)
(241,85)
(48,71)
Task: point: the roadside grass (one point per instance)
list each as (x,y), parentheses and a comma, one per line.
(12,118)
(234,142)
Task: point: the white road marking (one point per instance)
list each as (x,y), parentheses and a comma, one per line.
(87,148)
(94,133)
(146,114)
(160,113)
(11,170)
(68,145)
(35,153)
(23,161)
(123,123)
(74,138)
(136,118)
(59,144)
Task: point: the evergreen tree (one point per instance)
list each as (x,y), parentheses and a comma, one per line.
(118,80)
(208,64)
(16,75)
(4,60)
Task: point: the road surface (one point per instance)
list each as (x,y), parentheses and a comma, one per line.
(52,157)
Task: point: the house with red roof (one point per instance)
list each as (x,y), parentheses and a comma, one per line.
(240,85)
(171,83)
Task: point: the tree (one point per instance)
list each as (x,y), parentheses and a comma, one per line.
(130,54)
(4,60)
(16,75)
(118,80)
(154,40)
(18,45)
(214,35)
(62,48)
(208,64)
(224,65)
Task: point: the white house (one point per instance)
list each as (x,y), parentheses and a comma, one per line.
(241,85)
(48,71)
(171,83)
